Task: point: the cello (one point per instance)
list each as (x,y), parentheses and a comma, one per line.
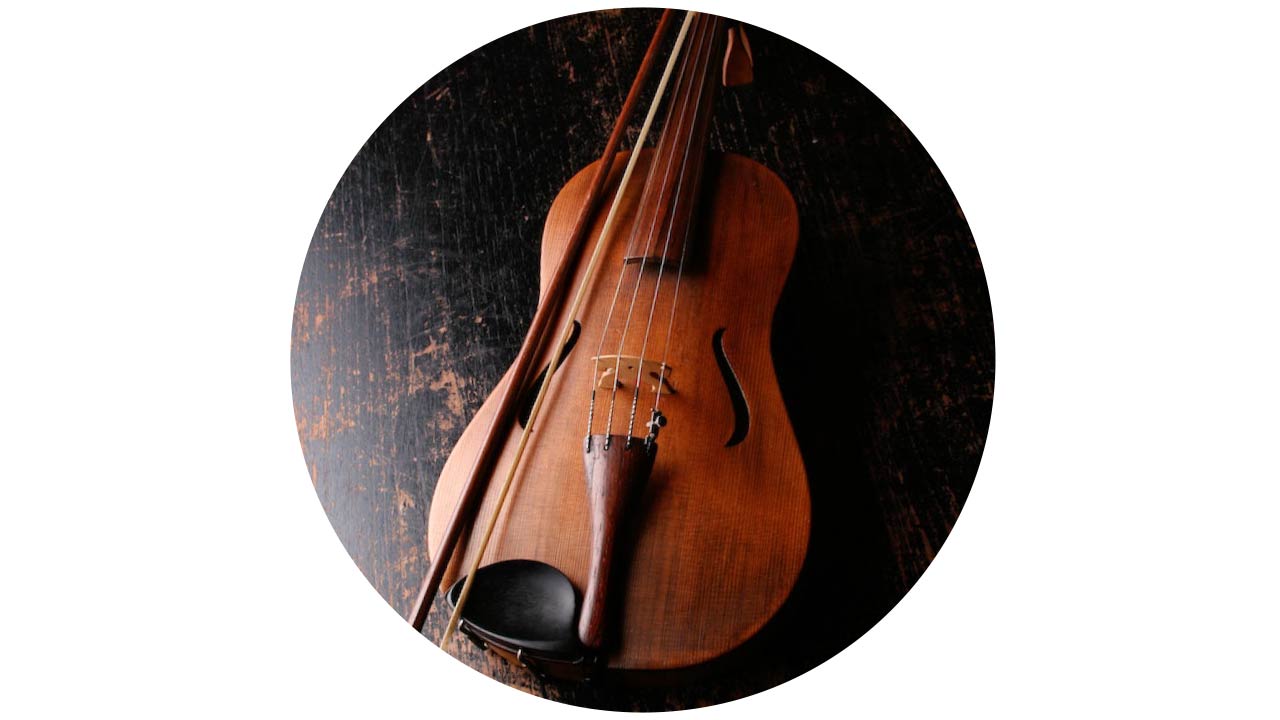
(632,496)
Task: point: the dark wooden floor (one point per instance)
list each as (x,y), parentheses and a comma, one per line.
(422,277)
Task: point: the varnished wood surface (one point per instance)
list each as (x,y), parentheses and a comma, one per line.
(721,530)
(681,149)
(553,295)
(617,472)
(423,274)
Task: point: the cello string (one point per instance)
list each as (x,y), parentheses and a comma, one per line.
(558,348)
(653,306)
(686,70)
(617,290)
(613,303)
(696,105)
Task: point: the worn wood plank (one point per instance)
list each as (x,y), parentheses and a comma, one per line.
(422,277)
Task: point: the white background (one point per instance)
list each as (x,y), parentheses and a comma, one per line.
(163,169)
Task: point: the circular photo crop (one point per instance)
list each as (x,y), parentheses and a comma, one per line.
(642,359)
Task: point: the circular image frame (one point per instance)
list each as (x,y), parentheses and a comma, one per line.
(423,276)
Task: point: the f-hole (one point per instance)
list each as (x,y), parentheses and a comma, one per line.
(531,393)
(741,416)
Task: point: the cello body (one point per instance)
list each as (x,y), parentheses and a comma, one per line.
(716,536)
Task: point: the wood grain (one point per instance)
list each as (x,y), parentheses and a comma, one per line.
(667,208)
(617,471)
(537,336)
(423,274)
(722,531)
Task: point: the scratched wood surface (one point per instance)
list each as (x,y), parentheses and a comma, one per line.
(422,277)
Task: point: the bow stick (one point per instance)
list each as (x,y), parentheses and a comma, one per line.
(601,241)
(467,506)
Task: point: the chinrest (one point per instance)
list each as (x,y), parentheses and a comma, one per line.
(522,605)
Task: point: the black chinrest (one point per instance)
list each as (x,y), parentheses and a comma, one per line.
(523,604)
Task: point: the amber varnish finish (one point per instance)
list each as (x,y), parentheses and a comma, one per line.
(720,533)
